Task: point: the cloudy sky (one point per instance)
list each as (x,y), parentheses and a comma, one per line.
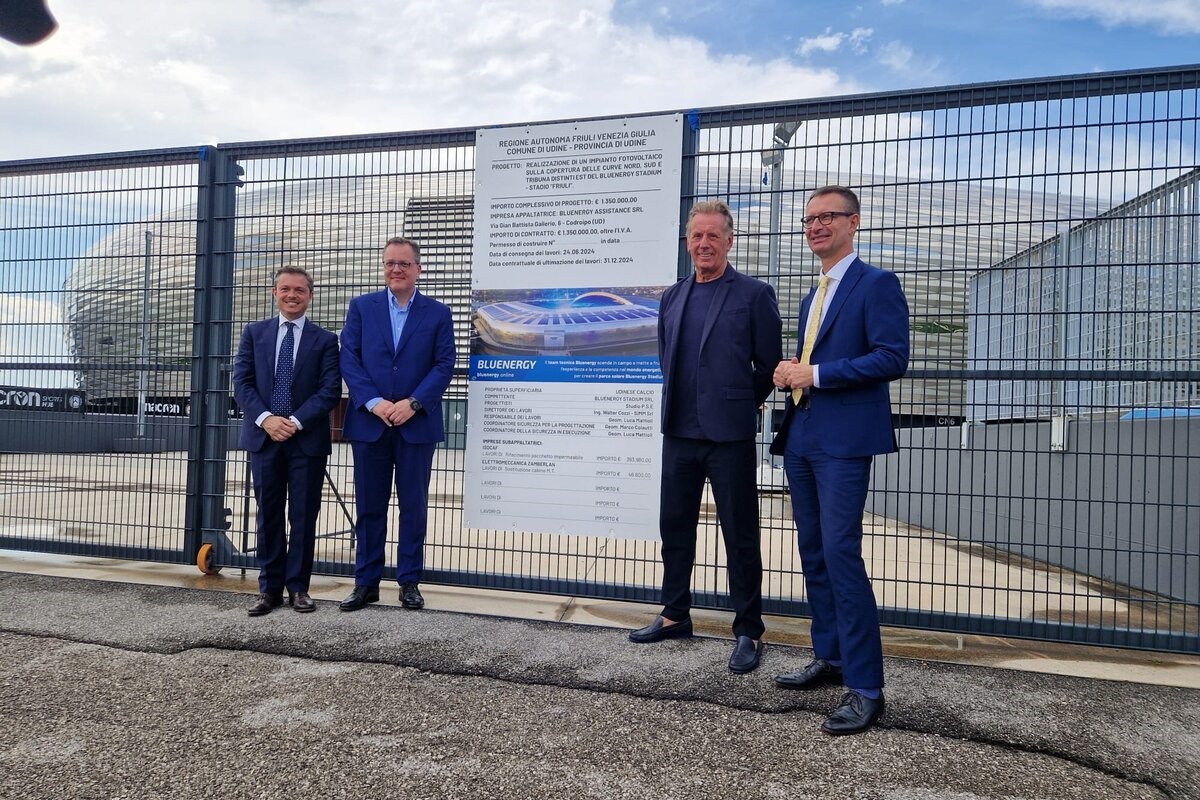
(121,75)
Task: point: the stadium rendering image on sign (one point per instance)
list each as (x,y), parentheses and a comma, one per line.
(576,322)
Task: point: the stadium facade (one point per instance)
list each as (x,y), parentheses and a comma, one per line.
(1119,293)
(334,227)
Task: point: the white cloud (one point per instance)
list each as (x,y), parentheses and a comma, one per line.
(902,61)
(830,42)
(826,42)
(896,55)
(32,330)
(1169,16)
(859,38)
(123,76)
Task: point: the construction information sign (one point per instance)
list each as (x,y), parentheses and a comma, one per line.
(576,237)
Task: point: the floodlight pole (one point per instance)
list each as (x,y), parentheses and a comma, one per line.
(773,159)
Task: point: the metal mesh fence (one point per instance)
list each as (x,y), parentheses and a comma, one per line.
(1045,234)
(96,291)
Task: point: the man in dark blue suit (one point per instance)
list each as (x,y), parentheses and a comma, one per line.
(397,359)
(854,340)
(719,338)
(286,381)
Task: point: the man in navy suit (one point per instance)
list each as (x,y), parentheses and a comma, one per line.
(397,359)
(838,417)
(286,381)
(719,338)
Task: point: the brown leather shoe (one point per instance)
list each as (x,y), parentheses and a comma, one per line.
(266,601)
(301,602)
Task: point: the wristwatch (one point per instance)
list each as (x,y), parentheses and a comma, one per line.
(415,403)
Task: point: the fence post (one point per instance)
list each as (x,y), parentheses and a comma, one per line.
(207,518)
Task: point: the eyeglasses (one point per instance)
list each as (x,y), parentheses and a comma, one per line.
(824,219)
(403,266)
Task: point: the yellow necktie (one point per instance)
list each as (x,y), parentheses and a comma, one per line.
(810,333)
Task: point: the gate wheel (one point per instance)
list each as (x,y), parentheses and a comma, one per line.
(204,560)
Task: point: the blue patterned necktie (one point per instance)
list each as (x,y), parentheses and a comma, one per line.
(281,395)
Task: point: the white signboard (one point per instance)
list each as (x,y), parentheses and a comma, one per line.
(576,236)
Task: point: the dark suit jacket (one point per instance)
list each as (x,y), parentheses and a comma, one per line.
(316,384)
(421,366)
(861,346)
(740,346)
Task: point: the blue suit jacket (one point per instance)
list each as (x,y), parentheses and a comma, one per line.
(740,346)
(420,366)
(316,384)
(861,346)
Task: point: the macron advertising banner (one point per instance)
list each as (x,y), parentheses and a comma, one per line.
(576,237)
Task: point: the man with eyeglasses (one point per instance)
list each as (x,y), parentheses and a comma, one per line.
(397,360)
(853,340)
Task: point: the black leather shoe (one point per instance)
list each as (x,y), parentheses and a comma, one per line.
(819,672)
(656,631)
(410,597)
(301,602)
(266,601)
(853,715)
(360,597)
(746,655)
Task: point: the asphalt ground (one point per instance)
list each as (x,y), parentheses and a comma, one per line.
(117,690)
